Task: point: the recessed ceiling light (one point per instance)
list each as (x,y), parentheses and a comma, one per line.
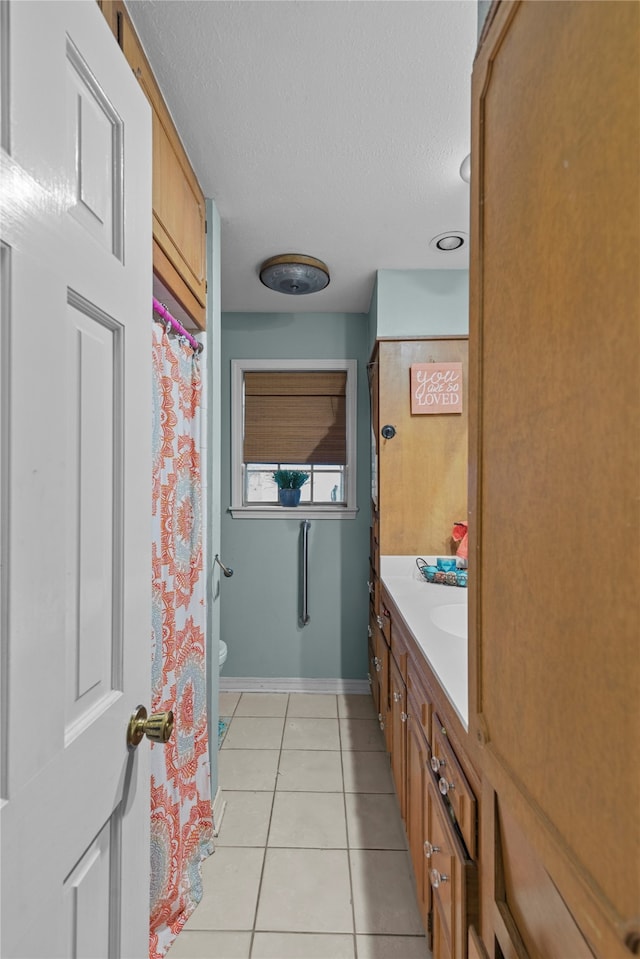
(448,242)
(295,274)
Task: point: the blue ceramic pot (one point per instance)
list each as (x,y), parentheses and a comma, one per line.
(289,497)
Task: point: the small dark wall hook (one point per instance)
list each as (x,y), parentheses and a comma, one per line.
(225,569)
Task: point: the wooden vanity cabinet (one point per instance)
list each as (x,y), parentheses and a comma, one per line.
(179,241)
(398,750)
(441,828)
(452,875)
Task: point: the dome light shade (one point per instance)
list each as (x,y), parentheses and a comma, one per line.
(295,274)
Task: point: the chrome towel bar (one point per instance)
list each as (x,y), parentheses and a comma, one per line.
(304,619)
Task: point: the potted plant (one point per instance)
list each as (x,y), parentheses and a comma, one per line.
(289,483)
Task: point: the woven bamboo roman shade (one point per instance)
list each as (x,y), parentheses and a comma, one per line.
(295,417)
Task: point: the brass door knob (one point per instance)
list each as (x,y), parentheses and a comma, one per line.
(157,727)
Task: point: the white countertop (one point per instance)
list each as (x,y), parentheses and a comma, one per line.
(445,652)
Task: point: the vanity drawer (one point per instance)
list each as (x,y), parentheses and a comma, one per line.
(452,875)
(453,784)
(384,621)
(420,702)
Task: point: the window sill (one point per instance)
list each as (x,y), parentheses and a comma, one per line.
(295,512)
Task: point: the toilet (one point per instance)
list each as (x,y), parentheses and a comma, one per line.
(222,655)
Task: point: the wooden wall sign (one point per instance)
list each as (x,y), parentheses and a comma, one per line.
(436,388)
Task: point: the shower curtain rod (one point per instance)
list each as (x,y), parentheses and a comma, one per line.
(178,327)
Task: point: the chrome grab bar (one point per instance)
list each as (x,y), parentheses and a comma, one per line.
(305,572)
(225,569)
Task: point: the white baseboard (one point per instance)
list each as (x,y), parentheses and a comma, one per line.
(218,806)
(287,684)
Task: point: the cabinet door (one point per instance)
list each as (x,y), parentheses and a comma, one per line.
(398,697)
(179,249)
(417,798)
(423,466)
(554,451)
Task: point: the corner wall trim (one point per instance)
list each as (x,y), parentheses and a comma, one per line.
(287,684)
(218,807)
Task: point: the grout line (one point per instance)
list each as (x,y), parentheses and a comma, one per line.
(266,840)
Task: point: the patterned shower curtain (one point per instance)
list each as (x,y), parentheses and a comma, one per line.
(181,823)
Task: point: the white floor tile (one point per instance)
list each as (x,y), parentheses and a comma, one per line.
(356,706)
(374,821)
(262,704)
(203,945)
(301,945)
(248,768)
(311,734)
(361,734)
(311,820)
(310,770)
(246,818)
(366,772)
(227,703)
(254,733)
(384,900)
(392,947)
(231,878)
(305,890)
(315,705)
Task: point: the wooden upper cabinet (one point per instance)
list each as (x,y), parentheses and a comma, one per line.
(422,467)
(179,241)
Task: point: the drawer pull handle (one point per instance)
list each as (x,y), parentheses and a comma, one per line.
(445,786)
(429,849)
(370,681)
(369,632)
(397,697)
(377,663)
(403,717)
(437,763)
(437,878)
(370,587)
(379,621)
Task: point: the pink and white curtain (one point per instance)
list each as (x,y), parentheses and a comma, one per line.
(181,823)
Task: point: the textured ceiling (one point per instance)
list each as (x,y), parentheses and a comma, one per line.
(333,128)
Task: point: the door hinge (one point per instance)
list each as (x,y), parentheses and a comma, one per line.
(206,286)
(206,227)
(429,921)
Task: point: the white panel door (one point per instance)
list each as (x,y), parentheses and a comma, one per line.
(75,383)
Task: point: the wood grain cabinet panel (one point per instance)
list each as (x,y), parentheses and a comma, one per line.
(453,784)
(554,453)
(452,875)
(422,469)
(179,241)
(398,697)
(417,798)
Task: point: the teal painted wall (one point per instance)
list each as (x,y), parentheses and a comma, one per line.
(259,606)
(422,302)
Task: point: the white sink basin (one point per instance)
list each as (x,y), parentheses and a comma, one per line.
(451,619)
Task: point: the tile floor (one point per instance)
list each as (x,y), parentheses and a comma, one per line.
(311,861)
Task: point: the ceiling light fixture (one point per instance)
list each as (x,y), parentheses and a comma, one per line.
(448,242)
(295,274)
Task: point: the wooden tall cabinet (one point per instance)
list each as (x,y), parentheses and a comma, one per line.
(179,241)
(421,488)
(555,467)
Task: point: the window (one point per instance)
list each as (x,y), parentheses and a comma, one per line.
(294,414)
